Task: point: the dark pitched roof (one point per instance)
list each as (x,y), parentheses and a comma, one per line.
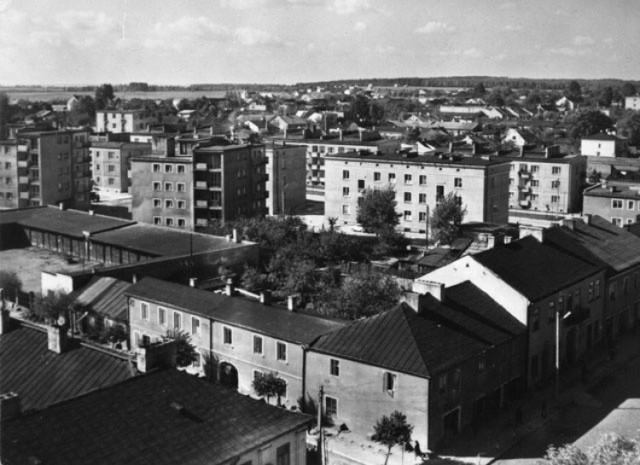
(602,136)
(166,417)
(599,241)
(42,377)
(401,340)
(105,296)
(236,311)
(534,269)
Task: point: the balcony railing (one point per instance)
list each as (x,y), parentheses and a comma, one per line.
(23,164)
(23,179)
(201,167)
(201,185)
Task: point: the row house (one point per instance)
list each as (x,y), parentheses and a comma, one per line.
(246,339)
(597,240)
(111,164)
(446,363)
(558,296)
(420,182)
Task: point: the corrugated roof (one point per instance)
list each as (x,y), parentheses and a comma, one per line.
(105,296)
(42,377)
(237,311)
(534,269)
(162,418)
(401,340)
(599,241)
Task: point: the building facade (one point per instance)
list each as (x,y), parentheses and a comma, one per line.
(13,161)
(420,182)
(110,164)
(603,145)
(286,178)
(618,203)
(123,120)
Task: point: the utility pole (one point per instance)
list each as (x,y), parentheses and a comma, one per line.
(558,351)
(320,432)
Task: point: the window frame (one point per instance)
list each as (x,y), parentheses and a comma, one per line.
(227,335)
(280,344)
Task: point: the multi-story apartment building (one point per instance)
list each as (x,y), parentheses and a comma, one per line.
(46,167)
(110,164)
(286,175)
(247,338)
(617,202)
(123,120)
(480,183)
(229,182)
(545,181)
(632,102)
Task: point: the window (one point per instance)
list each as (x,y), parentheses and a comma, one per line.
(182,204)
(162,316)
(457,182)
(376,176)
(422,198)
(552,312)
(442,384)
(535,168)
(422,216)
(157,220)
(423,179)
(257,374)
(631,205)
(555,170)
(555,199)
(535,319)
(177,320)
(168,168)
(616,203)
(407,197)
(182,222)
(257,345)
(195,326)
(408,179)
(407,215)
(111,168)
(157,186)
(346,210)
(360,185)
(392,177)
(227,336)
(168,221)
(616,221)
(345,174)
(168,203)
(180,187)
(389,382)
(156,167)
(168,186)
(281,351)
(331,406)
(181,168)
(535,183)
(144,311)
(335,367)
(456,378)
(283,456)
(345,192)
(157,203)
(597,288)
(554,184)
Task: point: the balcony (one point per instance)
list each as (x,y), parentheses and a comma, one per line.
(215,187)
(200,167)
(215,205)
(201,204)
(23,180)
(524,174)
(23,148)
(24,195)
(23,164)
(201,185)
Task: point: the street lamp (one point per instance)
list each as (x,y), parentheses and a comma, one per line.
(558,317)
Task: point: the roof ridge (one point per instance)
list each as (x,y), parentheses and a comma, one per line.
(404,307)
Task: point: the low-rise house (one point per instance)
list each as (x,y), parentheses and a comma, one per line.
(617,202)
(164,417)
(519,137)
(445,363)
(603,145)
(246,338)
(632,102)
(565,104)
(104,302)
(550,291)
(123,120)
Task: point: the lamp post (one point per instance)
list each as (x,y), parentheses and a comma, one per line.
(559,316)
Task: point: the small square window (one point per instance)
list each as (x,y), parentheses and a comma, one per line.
(182,204)
(180,187)
(335,367)
(156,167)
(168,168)
(168,186)
(331,406)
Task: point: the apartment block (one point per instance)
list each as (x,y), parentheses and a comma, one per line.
(123,120)
(286,178)
(111,165)
(480,184)
(11,152)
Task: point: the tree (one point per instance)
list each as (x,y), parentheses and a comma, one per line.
(10,284)
(51,307)
(574,91)
(392,430)
(606,97)
(589,122)
(611,449)
(479,90)
(365,111)
(186,352)
(446,221)
(496,99)
(104,96)
(629,126)
(84,113)
(377,209)
(269,385)
(628,89)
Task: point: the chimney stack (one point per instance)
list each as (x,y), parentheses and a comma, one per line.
(265,297)
(587,218)
(229,290)
(10,406)
(57,339)
(61,205)
(236,236)
(434,288)
(291,303)
(5,319)
(193,281)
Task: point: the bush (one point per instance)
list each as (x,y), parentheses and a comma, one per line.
(10,284)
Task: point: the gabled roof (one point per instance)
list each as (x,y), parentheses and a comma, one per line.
(42,377)
(401,340)
(165,417)
(598,241)
(535,270)
(235,311)
(105,296)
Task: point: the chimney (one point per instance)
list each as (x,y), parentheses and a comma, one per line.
(193,281)
(228,289)
(134,278)
(5,319)
(522,151)
(474,148)
(236,236)
(291,303)
(434,288)
(493,240)
(211,130)
(341,134)
(61,205)
(507,239)
(587,218)
(265,297)
(57,339)
(450,147)
(162,355)
(10,406)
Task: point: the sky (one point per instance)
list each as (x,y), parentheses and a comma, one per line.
(181,42)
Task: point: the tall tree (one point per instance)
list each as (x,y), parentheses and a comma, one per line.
(628,89)
(606,97)
(446,222)
(104,96)
(10,283)
(589,122)
(269,385)
(574,91)
(479,90)
(392,430)
(377,209)
(629,126)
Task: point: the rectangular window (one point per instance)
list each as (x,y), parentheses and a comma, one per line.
(535,168)
(457,182)
(281,351)
(144,311)
(157,203)
(407,215)
(182,204)
(631,205)
(554,184)
(345,174)
(422,216)
(616,203)
(156,167)
(423,179)
(552,312)
(168,186)
(331,406)
(168,168)
(181,168)
(177,320)
(555,170)
(408,179)
(195,326)
(422,198)
(168,221)
(257,374)
(335,367)
(555,199)
(227,336)
(616,221)
(157,186)
(360,185)
(180,187)
(162,316)
(392,177)
(390,382)
(535,183)
(111,168)
(376,176)
(257,345)
(346,210)
(168,204)
(157,220)
(345,192)
(612,291)
(407,197)
(182,222)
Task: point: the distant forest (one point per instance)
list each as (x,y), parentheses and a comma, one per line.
(445,81)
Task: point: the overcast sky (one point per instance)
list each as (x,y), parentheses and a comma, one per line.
(289,41)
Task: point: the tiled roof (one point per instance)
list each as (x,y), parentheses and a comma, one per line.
(534,269)
(599,242)
(105,296)
(165,417)
(236,311)
(401,340)
(42,377)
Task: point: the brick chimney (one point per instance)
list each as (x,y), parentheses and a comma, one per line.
(229,289)
(10,406)
(291,303)
(162,355)
(58,339)
(265,297)
(434,288)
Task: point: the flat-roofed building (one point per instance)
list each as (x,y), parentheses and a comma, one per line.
(110,164)
(286,178)
(123,120)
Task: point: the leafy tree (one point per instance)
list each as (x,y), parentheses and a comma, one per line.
(365,111)
(392,430)
(611,449)
(574,91)
(629,126)
(447,219)
(52,306)
(362,294)
(390,242)
(10,284)
(606,97)
(186,352)
(496,99)
(479,90)
(104,96)
(534,98)
(253,280)
(269,385)
(589,122)
(115,334)
(628,89)
(377,209)
(84,113)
